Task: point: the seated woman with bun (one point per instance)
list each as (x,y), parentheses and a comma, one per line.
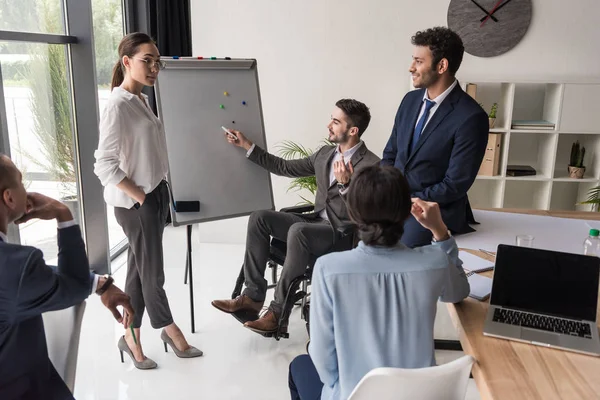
(374,306)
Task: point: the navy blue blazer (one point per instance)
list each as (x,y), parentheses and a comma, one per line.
(28,288)
(448,153)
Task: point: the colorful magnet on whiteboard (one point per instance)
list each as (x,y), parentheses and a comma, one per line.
(213,58)
(225,93)
(243,103)
(175,57)
(200,58)
(233,122)
(221,106)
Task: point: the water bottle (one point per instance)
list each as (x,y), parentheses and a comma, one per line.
(591,246)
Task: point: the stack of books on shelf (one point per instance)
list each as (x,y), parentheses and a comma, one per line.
(532,124)
(520,170)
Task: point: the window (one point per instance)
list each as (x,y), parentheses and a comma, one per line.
(108,32)
(36,16)
(48,96)
(38,101)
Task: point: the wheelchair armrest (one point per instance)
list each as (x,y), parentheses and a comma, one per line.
(298,209)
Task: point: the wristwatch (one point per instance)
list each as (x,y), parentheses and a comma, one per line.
(137,205)
(109,281)
(343,186)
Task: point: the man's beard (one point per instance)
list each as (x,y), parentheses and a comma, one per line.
(343,138)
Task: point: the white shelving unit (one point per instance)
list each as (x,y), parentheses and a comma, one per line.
(575,110)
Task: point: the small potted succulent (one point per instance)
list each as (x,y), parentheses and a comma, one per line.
(576,168)
(492,115)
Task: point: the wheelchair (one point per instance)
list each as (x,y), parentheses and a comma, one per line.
(344,238)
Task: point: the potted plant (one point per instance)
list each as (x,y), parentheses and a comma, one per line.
(492,115)
(291,151)
(576,168)
(52,124)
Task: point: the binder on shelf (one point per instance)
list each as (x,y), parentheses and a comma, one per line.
(490,165)
(472,90)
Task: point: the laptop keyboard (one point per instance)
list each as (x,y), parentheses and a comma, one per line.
(542,322)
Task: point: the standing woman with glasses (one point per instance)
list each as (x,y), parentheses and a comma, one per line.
(131,163)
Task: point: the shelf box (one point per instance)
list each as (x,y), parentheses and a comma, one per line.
(566,195)
(581,104)
(537,101)
(527,194)
(486,193)
(574,110)
(591,159)
(534,150)
(489,93)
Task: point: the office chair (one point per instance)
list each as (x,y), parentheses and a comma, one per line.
(448,381)
(344,239)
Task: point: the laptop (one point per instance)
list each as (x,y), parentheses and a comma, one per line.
(546,298)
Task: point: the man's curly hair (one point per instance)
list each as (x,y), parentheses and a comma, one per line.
(443,43)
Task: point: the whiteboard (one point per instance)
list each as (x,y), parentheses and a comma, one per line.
(194,99)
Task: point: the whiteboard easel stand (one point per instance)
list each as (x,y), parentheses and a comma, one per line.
(188,270)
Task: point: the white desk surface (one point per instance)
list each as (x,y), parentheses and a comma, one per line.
(551,233)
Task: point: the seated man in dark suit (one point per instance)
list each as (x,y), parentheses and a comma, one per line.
(439,135)
(29,287)
(306,235)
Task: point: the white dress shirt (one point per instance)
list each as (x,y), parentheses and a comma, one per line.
(438,100)
(132,144)
(337,157)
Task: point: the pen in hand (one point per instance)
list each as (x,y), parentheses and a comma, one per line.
(133,333)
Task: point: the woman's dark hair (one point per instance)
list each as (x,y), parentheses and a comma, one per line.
(128,47)
(379,202)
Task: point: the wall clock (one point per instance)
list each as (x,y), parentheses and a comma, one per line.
(489,28)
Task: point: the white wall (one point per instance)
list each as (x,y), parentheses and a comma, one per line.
(313,52)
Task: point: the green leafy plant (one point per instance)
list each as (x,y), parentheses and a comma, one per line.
(493,111)
(577,155)
(51,109)
(50,100)
(290,150)
(593,198)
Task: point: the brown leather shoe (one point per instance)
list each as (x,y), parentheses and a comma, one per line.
(242,302)
(266,324)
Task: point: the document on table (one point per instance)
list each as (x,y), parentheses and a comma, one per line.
(481,287)
(474,263)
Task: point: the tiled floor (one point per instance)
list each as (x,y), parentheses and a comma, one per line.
(238,364)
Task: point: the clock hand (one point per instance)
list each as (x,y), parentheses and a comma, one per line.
(503,4)
(485,11)
(491,12)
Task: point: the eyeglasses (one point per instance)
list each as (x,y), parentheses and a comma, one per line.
(160,64)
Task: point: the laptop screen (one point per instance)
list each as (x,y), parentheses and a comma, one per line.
(546,282)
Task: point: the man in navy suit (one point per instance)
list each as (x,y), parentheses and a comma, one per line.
(29,287)
(440,134)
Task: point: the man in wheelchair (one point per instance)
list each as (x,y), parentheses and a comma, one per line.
(307,236)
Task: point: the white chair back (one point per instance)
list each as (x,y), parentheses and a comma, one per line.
(443,382)
(63,329)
